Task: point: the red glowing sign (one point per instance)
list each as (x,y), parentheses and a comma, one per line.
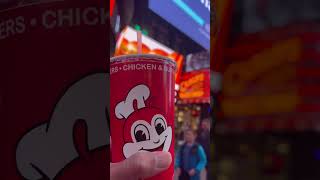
(195,86)
(111,7)
(127,44)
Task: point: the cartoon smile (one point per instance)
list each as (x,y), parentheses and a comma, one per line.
(156,136)
(160,148)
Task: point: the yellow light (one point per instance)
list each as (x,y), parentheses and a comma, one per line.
(131,47)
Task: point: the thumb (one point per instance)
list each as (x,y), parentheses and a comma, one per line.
(140,166)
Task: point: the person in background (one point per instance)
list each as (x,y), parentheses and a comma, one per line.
(203,138)
(191,158)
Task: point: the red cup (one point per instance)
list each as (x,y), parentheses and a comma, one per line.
(142,107)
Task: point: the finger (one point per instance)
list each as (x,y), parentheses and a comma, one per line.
(141,165)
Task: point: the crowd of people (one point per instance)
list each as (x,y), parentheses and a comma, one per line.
(192,158)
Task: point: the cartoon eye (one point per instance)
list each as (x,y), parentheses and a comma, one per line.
(160,125)
(141,133)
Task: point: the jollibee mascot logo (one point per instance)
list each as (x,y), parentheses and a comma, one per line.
(145,128)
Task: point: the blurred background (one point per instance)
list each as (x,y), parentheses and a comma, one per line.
(266,73)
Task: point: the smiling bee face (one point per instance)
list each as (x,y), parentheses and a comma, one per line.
(152,134)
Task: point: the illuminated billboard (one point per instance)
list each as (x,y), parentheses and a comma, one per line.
(191,17)
(127,44)
(195,87)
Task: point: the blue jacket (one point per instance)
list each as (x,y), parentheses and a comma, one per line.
(196,160)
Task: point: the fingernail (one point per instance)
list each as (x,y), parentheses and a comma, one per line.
(163,160)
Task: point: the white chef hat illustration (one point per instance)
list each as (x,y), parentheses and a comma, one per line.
(140,94)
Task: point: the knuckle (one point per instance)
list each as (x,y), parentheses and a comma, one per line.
(140,162)
(145,163)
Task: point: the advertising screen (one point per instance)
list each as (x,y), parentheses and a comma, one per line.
(191,17)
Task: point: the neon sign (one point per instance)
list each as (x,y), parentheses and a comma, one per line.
(127,44)
(195,86)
